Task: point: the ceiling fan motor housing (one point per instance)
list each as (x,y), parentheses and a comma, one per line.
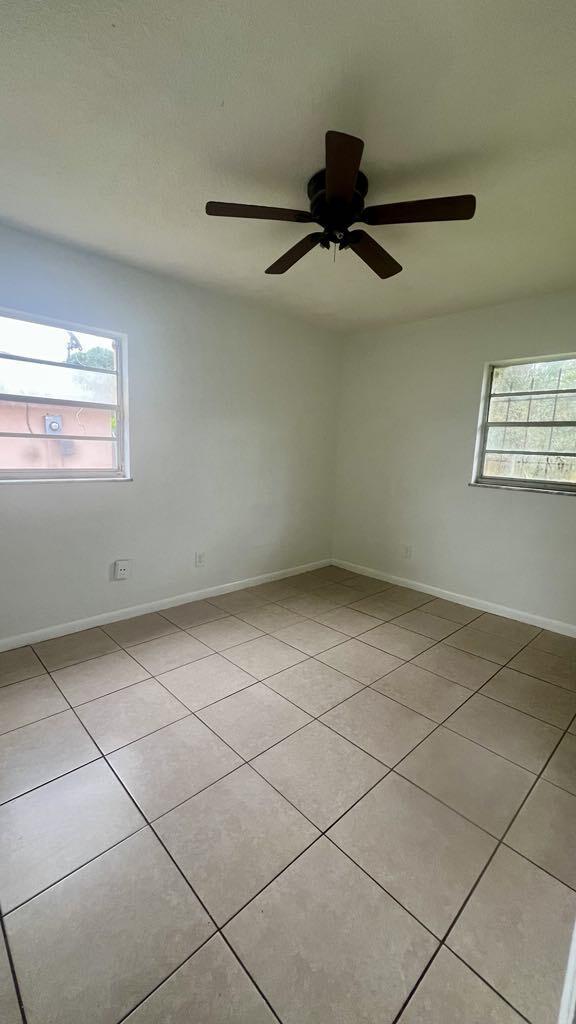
(335,216)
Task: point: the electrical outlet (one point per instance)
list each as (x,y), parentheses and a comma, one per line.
(199,559)
(407,551)
(122,568)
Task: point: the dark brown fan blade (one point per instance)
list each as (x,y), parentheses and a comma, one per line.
(295,253)
(419,210)
(343,156)
(257,212)
(380,261)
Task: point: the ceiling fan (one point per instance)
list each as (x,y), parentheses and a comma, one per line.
(336,197)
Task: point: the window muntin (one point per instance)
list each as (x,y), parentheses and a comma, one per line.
(62,402)
(527,434)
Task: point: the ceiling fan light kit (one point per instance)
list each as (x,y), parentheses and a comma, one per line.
(336,196)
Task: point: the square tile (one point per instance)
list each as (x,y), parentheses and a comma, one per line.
(458,666)
(233,839)
(452,610)
(67,650)
(169,652)
(545,831)
(402,643)
(253,719)
(509,629)
(99,676)
(37,753)
(561,769)
(210,988)
(193,613)
(408,597)
(433,626)
(367,584)
(225,633)
(128,714)
(429,695)
(450,993)
(270,617)
(50,832)
(320,772)
(264,657)
(274,590)
(551,668)
(171,765)
(239,600)
(554,643)
(485,645)
(360,661)
(308,604)
(206,681)
(314,687)
(20,663)
(29,701)
(515,932)
(424,854)
(9,1008)
(310,637)
(551,703)
(338,594)
(330,574)
(346,620)
(137,630)
(380,726)
(326,943)
(92,946)
(380,607)
(525,740)
(482,786)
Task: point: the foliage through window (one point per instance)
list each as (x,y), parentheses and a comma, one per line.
(527,432)
(62,409)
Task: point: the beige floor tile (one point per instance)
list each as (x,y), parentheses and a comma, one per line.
(137,630)
(270,617)
(67,650)
(304,583)
(210,988)
(561,769)
(458,666)
(422,691)
(99,676)
(253,719)
(308,604)
(193,613)
(362,662)
(224,633)
(330,574)
(40,752)
(339,594)
(380,607)
(50,832)
(314,687)
(452,610)
(367,584)
(20,663)
(550,703)
(346,620)
(264,656)
(556,643)
(326,943)
(29,701)
(484,645)
(93,946)
(171,765)
(204,682)
(320,772)
(276,589)
(450,993)
(525,740)
(128,714)
(515,932)
(549,667)
(424,854)
(545,831)
(509,629)
(408,597)
(233,839)
(310,637)
(169,652)
(9,1008)
(482,786)
(239,600)
(380,726)
(402,643)
(433,626)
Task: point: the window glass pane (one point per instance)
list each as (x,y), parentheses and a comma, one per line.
(53,454)
(534,439)
(63,382)
(50,419)
(537,468)
(38,341)
(555,375)
(540,408)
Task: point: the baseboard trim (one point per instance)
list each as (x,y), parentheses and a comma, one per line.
(556,626)
(50,632)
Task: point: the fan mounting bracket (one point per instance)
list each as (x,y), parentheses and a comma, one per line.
(335,216)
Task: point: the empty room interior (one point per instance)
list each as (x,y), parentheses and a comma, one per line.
(287,512)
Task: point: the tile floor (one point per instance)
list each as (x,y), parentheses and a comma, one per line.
(322,799)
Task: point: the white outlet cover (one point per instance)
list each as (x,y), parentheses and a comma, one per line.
(122,568)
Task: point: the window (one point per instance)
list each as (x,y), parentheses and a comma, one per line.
(527,429)
(62,402)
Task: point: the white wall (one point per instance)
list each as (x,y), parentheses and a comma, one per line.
(232,437)
(409,410)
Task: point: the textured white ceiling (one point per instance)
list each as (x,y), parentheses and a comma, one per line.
(119,120)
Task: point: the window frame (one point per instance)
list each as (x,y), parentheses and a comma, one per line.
(78,475)
(512,483)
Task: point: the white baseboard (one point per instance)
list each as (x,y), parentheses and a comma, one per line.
(49,632)
(556,626)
